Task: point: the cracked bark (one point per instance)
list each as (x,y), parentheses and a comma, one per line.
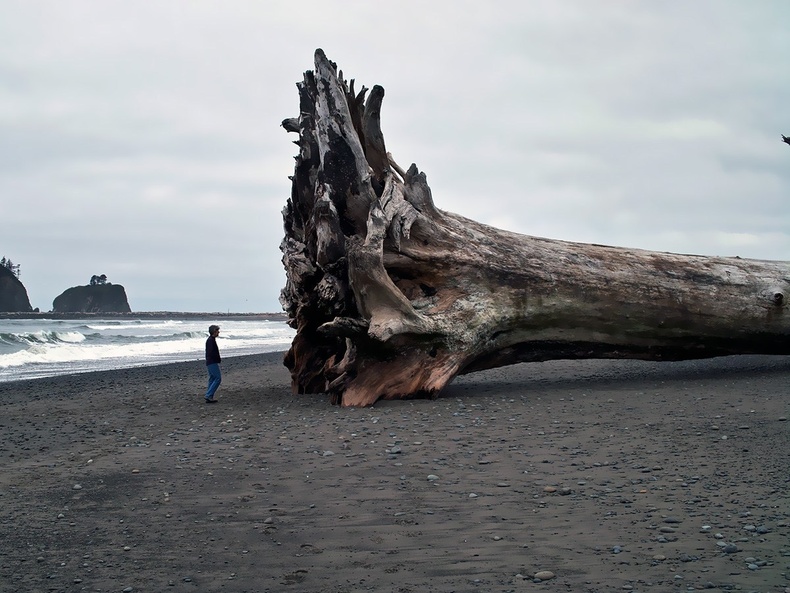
(392,297)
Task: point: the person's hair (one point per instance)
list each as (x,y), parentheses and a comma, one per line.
(212,328)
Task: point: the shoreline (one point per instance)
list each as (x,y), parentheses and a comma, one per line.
(588,370)
(145,369)
(593,475)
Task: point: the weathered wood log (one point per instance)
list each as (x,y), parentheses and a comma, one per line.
(392,297)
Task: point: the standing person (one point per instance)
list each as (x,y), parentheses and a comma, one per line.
(212,364)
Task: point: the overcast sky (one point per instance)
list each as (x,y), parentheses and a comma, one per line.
(141,139)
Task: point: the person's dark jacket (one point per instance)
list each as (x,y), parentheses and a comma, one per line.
(212,351)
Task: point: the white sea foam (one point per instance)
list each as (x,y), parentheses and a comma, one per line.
(72,337)
(44,337)
(136,325)
(42,348)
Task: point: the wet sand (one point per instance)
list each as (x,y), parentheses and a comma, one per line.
(592,475)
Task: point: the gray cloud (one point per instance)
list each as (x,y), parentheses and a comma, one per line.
(141,140)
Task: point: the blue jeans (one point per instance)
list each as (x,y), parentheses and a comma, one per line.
(214,379)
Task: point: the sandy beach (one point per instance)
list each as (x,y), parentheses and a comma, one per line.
(562,476)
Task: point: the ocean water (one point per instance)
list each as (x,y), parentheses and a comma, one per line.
(33,348)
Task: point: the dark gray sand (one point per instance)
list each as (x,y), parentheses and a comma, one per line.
(592,475)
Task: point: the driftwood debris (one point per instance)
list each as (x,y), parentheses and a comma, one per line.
(392,297)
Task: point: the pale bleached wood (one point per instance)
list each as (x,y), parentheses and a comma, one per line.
(392,297)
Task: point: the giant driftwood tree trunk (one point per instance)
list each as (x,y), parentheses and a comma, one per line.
(392,297)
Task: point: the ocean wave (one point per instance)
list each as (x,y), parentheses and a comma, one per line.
(51,359)
(43,337)
(53,353)
(40,348)
(148,336)
(135,324)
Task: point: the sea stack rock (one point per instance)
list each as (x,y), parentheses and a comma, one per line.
(98,298)
(13,295)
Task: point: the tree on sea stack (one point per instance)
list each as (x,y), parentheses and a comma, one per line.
(392,297)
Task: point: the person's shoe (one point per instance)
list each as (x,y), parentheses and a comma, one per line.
(211,401)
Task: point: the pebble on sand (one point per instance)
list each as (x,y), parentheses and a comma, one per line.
(727,548)
(544,575)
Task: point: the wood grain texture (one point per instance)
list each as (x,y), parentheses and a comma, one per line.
(392,297)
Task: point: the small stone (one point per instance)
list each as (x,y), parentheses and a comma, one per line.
(544,575)
(730,549)
(565,491)
(472,495)
(328,453)
(752,567)
(616,550)
(77,487)
(135,471)
(672,520)
(549,489)
(659,557)
(432,477)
